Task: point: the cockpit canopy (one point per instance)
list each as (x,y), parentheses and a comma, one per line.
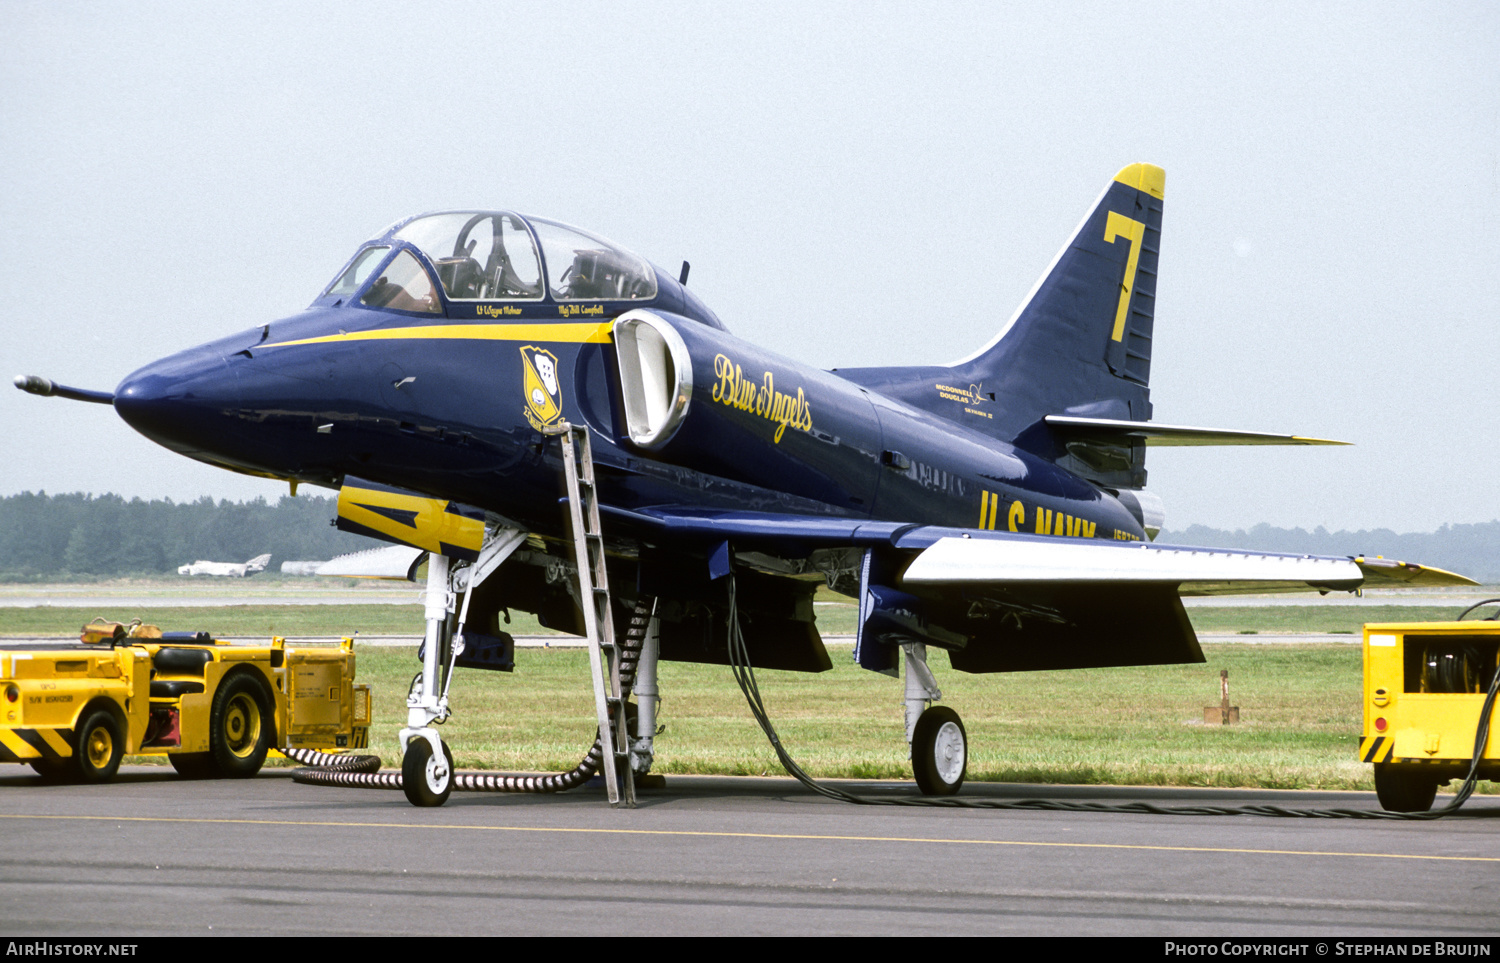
(492,256)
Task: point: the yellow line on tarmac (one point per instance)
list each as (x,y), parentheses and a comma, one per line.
(731,835)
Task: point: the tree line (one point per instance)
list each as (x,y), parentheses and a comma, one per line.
(46,536)
(49,536)
(1472,550)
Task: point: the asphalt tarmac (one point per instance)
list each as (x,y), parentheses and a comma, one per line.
(151,854)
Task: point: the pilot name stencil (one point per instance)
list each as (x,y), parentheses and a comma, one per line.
(737,391)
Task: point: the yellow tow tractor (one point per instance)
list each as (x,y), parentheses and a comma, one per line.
(72,710)
(1426,691)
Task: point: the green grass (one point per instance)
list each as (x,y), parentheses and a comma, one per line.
(1313,618)
(1300,711)
(1300,703)
(242,620)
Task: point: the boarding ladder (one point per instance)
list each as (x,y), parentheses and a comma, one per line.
(598,620)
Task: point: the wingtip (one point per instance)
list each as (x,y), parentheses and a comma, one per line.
(1409,573)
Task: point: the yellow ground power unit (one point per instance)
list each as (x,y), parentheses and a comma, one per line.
(73,710)
(1424,691)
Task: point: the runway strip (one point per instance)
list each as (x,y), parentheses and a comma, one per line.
(346,824)
(155,854)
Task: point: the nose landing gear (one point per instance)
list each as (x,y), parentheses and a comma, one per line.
(426,777)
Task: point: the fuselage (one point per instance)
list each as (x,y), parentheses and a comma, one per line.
(449,396)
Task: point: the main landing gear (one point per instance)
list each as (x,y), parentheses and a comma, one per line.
(939,744)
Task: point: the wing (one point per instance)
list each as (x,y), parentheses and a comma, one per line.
(1000,601)
(940,555)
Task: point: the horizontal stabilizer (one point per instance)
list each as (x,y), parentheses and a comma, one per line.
(1113,431)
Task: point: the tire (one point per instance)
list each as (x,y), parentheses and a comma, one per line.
(52,770)
(192,765)
(239,727)
(1403,791)
(425,780)
(98,747)
(939,752)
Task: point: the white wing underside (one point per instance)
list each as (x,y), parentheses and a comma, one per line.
(1196,571)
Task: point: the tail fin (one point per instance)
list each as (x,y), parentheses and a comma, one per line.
(1079,344)
(1082,337)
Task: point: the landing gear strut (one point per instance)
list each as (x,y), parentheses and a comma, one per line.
(939,744)
(427,767)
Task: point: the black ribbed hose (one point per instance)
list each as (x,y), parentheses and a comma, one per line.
(330,769)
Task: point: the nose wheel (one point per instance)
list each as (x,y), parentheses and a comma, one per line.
(939,752)
(426,778)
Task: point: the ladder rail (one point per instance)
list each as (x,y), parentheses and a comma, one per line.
(594,599)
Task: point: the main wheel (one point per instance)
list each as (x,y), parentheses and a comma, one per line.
(939,752)
(98,747)
(239,727)
(1403,791)
(426,779)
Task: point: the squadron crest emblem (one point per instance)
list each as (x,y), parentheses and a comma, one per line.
(539,381)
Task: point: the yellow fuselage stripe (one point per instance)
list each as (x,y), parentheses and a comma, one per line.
(578,332)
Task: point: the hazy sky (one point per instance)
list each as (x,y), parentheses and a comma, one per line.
(855,184)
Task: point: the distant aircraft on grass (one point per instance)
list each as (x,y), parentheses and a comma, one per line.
(230,569)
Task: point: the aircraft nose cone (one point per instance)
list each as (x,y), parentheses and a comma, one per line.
(179,401)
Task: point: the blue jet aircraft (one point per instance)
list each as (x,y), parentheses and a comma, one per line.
(995,508)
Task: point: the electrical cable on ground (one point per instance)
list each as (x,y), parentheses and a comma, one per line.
(744,674)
